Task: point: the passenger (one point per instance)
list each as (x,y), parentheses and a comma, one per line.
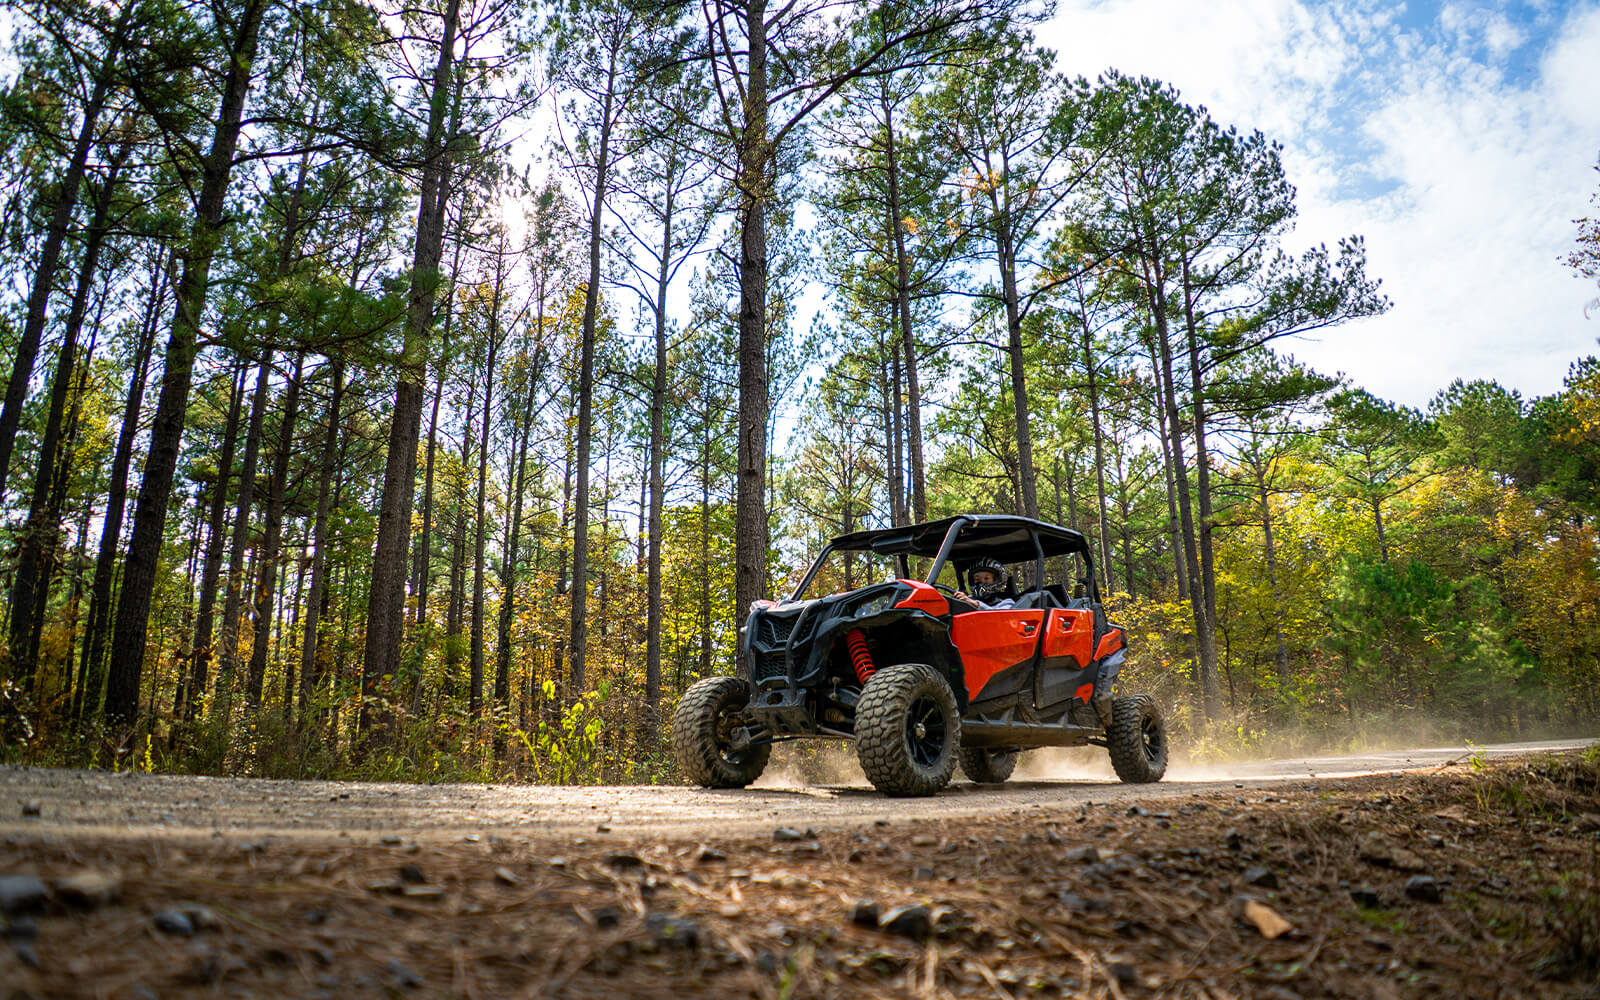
(988,587)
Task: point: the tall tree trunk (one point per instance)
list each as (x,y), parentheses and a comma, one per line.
(475,702)
(267,581)
(311,640)
(387,592)
(908,340)
(1202,462)
(211,569)
(591,312)
(658,489)
(1099,447)
(36,544)
(44,274)
(1026,475)
(1205,666)
(508,566)
(233,597)
(1164,433)
(91,673)
(753,186)
(419,586)
(166,432)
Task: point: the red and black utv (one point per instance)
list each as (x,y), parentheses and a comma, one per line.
(921,678)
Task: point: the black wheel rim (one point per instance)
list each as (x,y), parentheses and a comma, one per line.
(925,730)
(1150,737)
(727,720)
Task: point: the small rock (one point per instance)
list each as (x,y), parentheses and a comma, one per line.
(1135,811)
(1434,840)
(505,876)
(914,922)
(174,922)
(711,854)
(19,893)
(1376,849)
(864,914)
(202,918)
(924,874)
(1261,876)
(1267,921)
(1234,841)
(424,892)
(1366,898)
(1123,973)
(400,976)
(672,932)
(412,874)
(557,862)
(602,828)
(924,840)
(25,953)
(787,834)
(389,840)
(624,859)
(607,916)
(30,809)
(1424,889)
(1086,854)
(89,889)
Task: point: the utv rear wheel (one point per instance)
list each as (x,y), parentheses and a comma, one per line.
(702,735)
(1137,739)
(908,730)
(988,767)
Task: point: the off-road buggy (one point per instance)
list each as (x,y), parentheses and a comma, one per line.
(919,678)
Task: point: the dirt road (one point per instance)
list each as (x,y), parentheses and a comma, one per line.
(1429,874)
(133,804)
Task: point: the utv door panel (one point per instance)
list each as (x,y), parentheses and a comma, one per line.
(993,641)
(1063,669)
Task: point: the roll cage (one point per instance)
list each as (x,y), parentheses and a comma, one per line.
(964,539)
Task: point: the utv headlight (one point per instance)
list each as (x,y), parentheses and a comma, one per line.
(877,604)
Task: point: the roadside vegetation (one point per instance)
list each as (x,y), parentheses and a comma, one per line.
(354,428)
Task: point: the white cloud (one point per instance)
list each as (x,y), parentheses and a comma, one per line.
(1467,182)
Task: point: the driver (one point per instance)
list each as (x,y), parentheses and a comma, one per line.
(987,578)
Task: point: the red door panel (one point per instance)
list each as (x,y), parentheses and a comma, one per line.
(991,641)
(1071,633)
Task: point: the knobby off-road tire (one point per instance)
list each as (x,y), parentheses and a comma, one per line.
(702,734)
(1137,739)
(908,730)
(986,766)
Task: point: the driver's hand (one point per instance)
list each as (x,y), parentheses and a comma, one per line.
(964,597)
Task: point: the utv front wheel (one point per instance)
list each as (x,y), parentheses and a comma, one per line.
(908,730)
(1137,739)
(984,766)
(702,735)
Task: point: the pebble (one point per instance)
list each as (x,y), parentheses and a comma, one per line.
(412,874)
(25,953)
(423,892)
(1366,898)
(1424,889)
(789,834)
(1234,840)
(914,922)
(173,922)
(21,892)
(710,854)
(504,876)
(1124,974)
(672,932)
(864,914)
(89,889)
(389,840)
(1261,876)
(1087,854)
(30,809)
(624,859)
(401,976)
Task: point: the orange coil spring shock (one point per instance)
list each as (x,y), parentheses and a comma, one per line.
(860,656)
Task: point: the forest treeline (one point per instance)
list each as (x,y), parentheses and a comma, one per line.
(422,391)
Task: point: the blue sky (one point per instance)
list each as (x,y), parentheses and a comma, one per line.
(1459,138)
